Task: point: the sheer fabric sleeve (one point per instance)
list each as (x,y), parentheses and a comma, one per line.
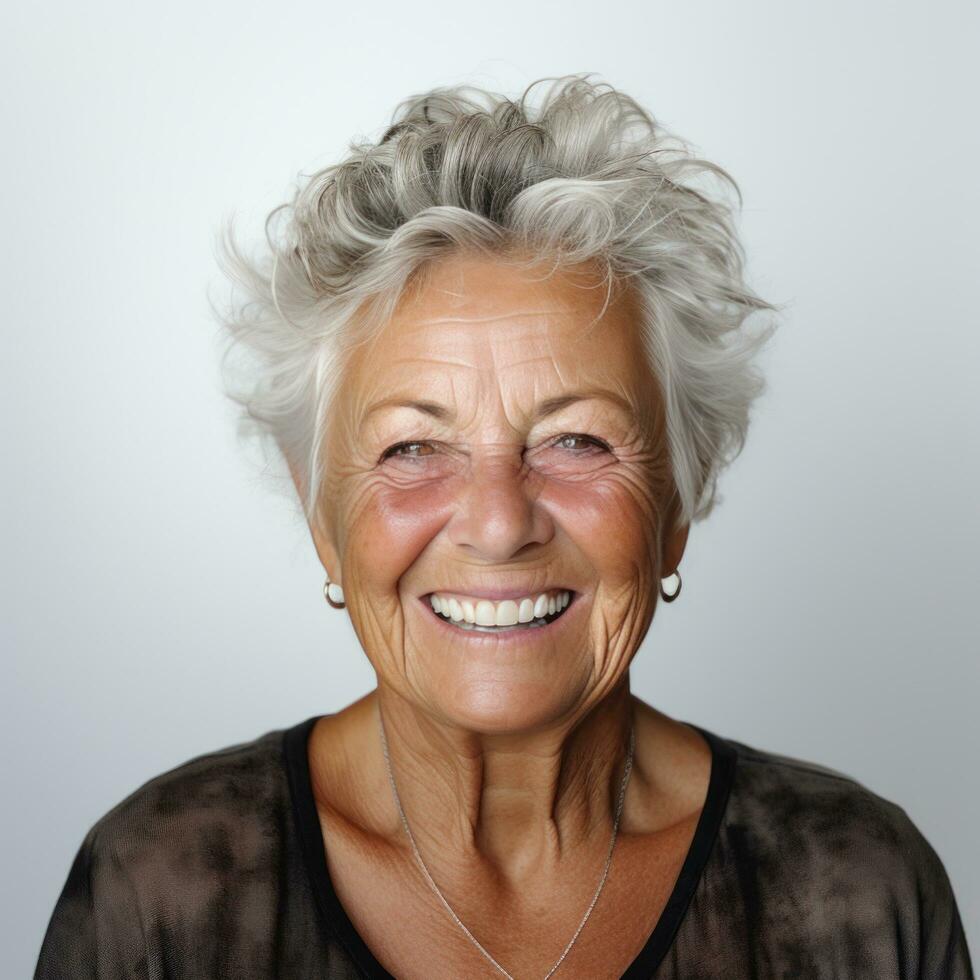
(933,936)
(94,930)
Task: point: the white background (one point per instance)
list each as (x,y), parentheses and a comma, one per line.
(159,600)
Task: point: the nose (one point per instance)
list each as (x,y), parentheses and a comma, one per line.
(498,513)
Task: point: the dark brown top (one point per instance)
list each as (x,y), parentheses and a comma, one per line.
(216,869)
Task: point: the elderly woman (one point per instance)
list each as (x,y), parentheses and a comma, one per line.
(503,353)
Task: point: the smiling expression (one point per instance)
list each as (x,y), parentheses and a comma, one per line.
(495,503)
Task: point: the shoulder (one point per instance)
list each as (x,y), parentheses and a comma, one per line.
(198,820)
(815,850)
(162,877)
(808,812)
(776,793)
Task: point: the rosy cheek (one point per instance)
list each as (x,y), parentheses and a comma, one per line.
(395,524)
(403,508)
(611,519)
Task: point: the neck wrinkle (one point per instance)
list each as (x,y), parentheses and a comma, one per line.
(514,805)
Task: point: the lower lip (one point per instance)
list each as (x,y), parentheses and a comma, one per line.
(522,632)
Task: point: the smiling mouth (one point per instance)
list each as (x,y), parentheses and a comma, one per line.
(508,615)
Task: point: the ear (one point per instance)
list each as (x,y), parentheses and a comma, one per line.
(675,541)
(321,532)
(323,541)
(674,549)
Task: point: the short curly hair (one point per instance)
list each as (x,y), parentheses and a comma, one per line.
(586,175)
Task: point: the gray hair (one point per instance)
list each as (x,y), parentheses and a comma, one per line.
(588,175)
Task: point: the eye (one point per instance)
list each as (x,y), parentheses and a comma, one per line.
(409,449)
(568,440)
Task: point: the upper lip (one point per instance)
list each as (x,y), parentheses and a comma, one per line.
(497,594)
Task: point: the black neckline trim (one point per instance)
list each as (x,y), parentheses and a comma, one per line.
(333,915)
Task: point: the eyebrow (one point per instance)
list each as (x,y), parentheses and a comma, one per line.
(549,406)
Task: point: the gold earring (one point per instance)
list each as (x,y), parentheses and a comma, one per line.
(671,596)
(334,594)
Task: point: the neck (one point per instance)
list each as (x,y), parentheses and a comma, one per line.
(519,802)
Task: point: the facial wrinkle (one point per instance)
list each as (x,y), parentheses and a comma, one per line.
(491,497)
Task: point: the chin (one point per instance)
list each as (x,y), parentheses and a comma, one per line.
(500,706)
(511,681)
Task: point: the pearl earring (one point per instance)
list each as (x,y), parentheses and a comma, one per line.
(334,594)
(671,596)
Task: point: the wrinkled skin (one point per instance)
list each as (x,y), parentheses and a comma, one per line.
(492,498)
(508,755)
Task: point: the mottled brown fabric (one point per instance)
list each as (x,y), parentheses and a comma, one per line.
(215,869)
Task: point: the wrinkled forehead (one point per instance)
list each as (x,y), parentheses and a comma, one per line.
(469,286)
(472,327)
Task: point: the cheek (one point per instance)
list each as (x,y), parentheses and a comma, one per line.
(391,528)
(614,522)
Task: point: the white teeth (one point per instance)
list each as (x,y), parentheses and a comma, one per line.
(486,615)
(505,613)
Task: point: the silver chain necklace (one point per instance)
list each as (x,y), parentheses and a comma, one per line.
(435,887)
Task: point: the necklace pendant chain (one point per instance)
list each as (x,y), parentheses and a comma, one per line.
(428,877)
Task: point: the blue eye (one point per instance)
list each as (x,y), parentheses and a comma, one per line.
(592,441)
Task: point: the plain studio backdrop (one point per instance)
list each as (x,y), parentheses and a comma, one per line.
(160,599)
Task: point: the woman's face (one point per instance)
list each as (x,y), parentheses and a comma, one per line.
(489,448)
